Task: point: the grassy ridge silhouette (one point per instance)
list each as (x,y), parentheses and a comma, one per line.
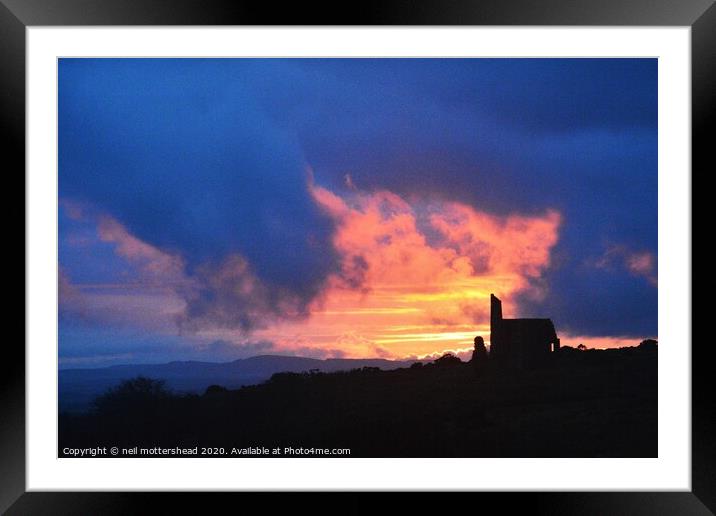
(580,403)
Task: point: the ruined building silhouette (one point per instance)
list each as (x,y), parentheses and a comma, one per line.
(479,355)
(520,342)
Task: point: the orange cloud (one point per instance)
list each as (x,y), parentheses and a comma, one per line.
(416,275)
(414,280)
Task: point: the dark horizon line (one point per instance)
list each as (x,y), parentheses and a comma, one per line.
(397,360)
(407,359)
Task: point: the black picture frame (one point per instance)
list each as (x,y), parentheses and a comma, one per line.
(17,15)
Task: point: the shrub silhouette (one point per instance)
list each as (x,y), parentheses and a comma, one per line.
(448,359)
(138,395)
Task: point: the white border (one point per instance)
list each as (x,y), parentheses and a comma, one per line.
(671,471)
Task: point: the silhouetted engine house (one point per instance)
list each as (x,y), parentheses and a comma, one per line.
(520,342)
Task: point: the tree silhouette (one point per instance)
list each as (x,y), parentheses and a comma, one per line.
(649,344)
(215,390)
(139,394)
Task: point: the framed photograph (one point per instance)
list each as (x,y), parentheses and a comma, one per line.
(439,249)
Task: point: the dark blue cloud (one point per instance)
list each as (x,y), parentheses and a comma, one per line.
(584,301)
(180,153)
(208,157)
(578,135)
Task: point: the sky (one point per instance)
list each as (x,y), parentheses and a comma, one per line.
(215,209)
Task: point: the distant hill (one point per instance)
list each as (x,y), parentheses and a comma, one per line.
(78,387)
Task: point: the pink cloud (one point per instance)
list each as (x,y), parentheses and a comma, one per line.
(638,263)
(153,262)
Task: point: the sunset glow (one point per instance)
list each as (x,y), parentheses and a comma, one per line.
(414,282)
(217,209)
(416,277)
